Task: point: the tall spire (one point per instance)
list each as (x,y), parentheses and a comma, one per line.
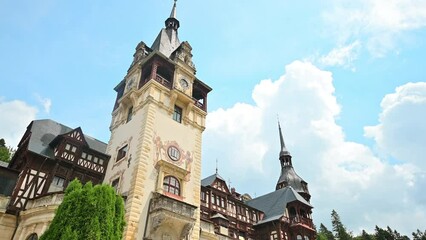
(167,40)
(173,13)
(284,151)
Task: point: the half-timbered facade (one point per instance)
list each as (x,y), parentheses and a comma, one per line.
(49,156)
(225,211)
(284,214)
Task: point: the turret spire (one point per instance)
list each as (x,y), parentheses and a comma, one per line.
(284,151)
(167,40)
(173,13)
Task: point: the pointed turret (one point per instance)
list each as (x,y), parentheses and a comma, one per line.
(288,176)
(284,151)
(167,40)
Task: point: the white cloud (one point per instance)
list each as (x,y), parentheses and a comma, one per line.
(364,188)
(401,132)
(15,117)
(380,23)
(342,56)
(45,102)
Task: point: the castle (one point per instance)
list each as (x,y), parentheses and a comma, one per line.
(153,159)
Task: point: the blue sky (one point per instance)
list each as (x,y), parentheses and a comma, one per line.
(345,77)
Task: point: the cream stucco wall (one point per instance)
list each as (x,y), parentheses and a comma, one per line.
(149,134)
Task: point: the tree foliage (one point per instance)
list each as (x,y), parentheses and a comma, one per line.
(88,212)
(419,235)
(339,229)
(388,234)
(324,233)
(341,233)
(5,152)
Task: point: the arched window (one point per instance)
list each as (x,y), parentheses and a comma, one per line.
(299,237)
(306,237)
(171,185)
(33,236)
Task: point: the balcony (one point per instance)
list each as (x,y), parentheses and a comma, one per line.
(162,80)
(172,206)
(165,211)
(199,104)
(301,221)
(47,200)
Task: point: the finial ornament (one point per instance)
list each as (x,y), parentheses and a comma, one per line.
(216,165)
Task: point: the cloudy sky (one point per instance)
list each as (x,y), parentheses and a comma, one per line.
(346,78)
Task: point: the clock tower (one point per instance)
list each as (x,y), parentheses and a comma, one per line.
(155,145)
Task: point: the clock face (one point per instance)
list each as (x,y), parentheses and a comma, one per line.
(184,84)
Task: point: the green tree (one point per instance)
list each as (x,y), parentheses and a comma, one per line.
(324,233)
(88,212)
(5,152)
(419,235)
(388,234)
(338,227)
(364,236)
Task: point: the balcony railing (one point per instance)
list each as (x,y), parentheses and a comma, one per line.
(161,203)
(301,221)
(47,200)
(163,81)
(199,104)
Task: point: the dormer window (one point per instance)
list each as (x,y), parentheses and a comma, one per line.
(70,148)
(129,114)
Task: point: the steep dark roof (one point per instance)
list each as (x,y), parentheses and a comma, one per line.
(274,204)
(290,176)
(45,130)
(208,181)
(167,40)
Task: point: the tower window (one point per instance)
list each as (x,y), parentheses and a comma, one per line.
(114,184)
(171,185)
(177,114)
(122,152)
(129,114)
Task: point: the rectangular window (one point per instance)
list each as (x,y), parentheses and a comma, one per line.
(122,152)
(114,184)
(129,114)
(58,181)
(177,114)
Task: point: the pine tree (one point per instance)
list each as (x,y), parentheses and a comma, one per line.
(389,234)
(88,212)
(338,227)
(418,235)
(324,233)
